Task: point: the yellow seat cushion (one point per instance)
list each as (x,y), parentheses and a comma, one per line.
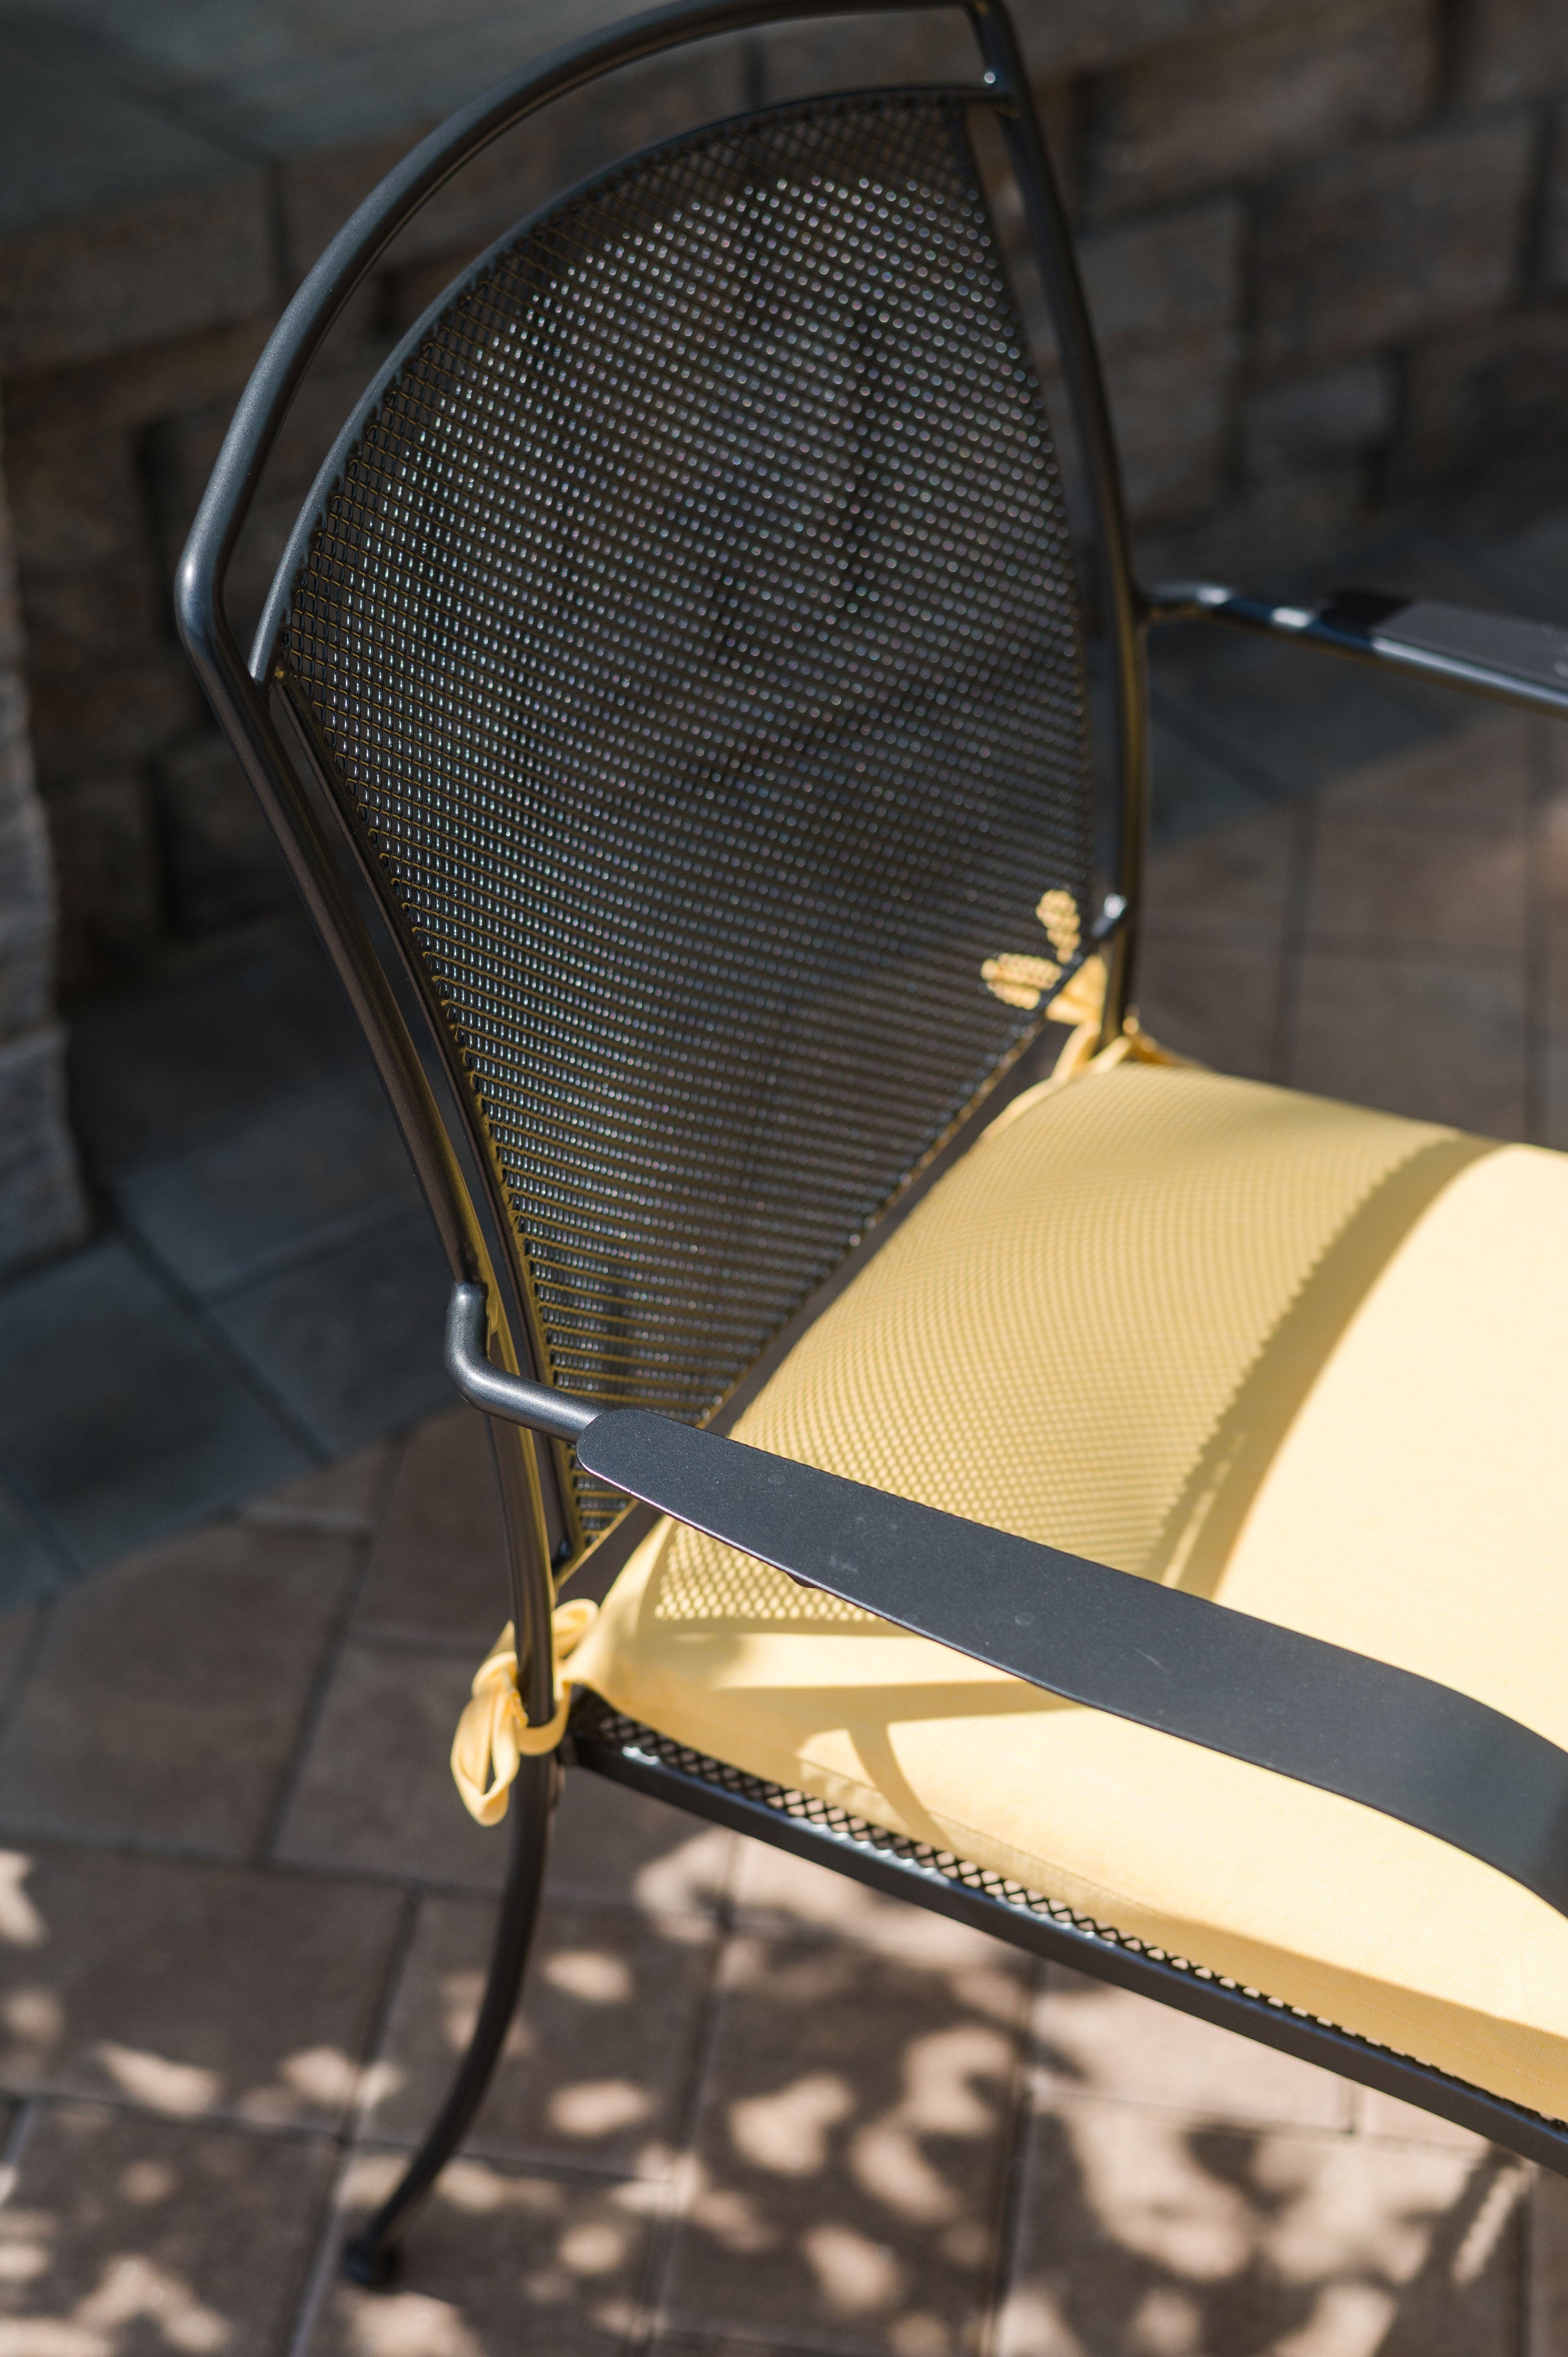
(1308,1360)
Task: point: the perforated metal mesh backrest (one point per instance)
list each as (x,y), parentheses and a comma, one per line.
(693,625)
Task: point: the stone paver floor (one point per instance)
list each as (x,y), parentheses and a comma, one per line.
(747,2106)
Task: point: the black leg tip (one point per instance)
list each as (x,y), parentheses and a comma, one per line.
(374,2265)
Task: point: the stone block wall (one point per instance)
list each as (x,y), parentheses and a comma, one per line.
(125,342)
(1326,242)
(1392,316)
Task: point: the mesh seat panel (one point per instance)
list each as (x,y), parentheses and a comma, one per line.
(693,626)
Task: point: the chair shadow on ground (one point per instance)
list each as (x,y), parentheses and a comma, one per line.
(881,2151)
(853,2189)
(1144,2233)
(875,2160)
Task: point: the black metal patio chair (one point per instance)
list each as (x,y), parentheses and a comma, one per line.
(1116,1505)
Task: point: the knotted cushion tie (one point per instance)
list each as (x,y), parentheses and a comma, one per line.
(493,1735)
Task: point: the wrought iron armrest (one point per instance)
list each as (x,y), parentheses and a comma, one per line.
(1489,654)
(1394,1742)
(513,1397)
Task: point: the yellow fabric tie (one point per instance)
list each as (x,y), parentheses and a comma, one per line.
(493,1735)
(1082,1004)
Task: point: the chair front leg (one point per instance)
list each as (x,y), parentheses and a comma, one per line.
(371,2257)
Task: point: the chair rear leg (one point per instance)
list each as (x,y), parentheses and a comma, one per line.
(371,2257)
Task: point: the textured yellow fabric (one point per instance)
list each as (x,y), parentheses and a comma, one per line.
(493,1735)
(1308,1360)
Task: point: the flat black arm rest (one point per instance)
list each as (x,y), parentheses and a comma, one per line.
(1318,1712)
(1488,654)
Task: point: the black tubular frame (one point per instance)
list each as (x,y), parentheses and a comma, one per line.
(437,1115)
(415,1057)
(370,2258)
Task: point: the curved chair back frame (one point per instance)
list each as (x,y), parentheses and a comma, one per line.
(278,730)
